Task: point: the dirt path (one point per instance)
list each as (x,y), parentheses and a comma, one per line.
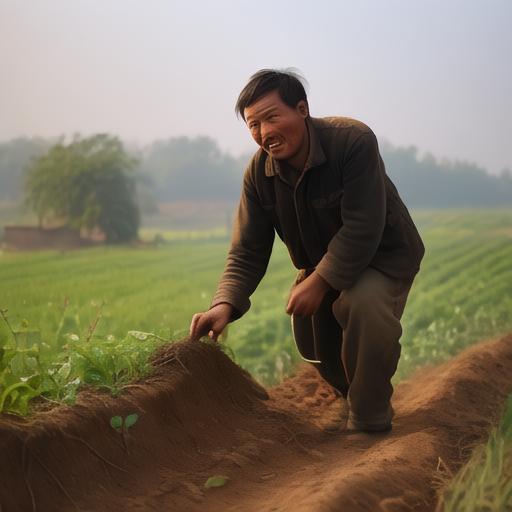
(201,415)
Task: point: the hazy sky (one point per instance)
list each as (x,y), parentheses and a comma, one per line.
(434,74)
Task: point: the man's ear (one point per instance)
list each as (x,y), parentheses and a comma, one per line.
(302,108)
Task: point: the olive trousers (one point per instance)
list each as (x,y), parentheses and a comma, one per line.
(353,341)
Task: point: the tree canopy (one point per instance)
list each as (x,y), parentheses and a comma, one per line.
(87,183)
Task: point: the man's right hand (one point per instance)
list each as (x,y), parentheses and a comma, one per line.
(211,322)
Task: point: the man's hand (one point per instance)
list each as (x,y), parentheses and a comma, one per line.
(306,297)
(211,322)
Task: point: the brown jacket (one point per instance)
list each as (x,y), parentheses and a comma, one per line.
(343,215)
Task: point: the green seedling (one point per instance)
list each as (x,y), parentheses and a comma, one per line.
(216,481)
(121,424)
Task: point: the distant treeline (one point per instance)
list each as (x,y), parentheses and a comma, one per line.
(183,168)
(426,182)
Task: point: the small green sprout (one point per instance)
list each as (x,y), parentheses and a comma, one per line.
(216,481)
(122,425)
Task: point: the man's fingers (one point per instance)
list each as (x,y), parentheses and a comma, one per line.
(290,307)
(193,326)
(217,329)
(298,307)
(210,323)
(200,326)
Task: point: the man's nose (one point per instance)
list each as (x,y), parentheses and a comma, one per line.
(256,135)
(265,130)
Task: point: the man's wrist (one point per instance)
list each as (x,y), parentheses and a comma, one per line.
(224,305)
(320,281)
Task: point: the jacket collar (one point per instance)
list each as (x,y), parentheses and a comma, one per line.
(316,154)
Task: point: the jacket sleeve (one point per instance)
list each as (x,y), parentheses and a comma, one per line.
(248,257)
(363,212)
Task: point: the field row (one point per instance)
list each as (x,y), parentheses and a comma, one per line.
(95,315)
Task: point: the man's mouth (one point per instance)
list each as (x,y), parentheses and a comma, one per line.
(272,145)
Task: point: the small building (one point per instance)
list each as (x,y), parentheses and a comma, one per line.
(31,238)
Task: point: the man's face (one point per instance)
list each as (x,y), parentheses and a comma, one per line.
(279,129)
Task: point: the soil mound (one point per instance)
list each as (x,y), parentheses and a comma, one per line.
(283,449)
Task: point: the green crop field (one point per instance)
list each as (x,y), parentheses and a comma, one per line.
(94,315)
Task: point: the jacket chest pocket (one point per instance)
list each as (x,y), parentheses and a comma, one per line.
(328,199)
(267,198)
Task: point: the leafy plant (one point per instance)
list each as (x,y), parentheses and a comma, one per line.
(29,368)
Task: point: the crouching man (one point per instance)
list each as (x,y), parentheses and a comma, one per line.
(321,185)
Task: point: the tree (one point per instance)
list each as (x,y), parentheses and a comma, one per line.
(87,183)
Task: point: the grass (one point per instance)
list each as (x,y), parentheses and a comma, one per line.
(484,484)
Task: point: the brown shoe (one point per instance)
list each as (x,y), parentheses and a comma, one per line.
(355,423)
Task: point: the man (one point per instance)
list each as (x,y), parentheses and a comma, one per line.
(321,185)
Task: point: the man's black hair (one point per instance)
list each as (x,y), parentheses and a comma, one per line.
(287,82)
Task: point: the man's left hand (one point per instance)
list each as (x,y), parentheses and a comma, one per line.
(306,297)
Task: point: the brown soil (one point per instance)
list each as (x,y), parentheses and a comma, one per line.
(200,415)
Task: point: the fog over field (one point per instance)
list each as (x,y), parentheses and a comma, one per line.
(429,74)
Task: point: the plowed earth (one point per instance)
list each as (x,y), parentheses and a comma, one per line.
(283,449)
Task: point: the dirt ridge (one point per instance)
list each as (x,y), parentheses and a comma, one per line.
(200,415)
